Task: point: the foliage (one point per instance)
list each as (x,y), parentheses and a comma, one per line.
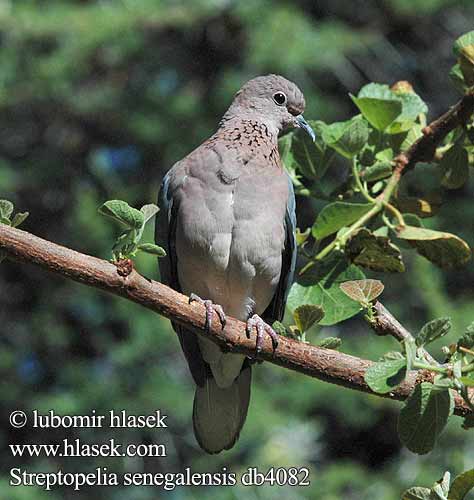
(128,243)
(7,217)
(442,490)
(391,120)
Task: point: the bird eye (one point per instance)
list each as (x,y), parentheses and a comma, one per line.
(279,98)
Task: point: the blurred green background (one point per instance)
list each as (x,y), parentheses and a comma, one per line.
(97,100)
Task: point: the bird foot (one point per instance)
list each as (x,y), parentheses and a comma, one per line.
(210,309)
(262,328)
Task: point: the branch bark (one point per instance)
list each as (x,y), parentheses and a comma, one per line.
(386,324)
(324,364)
(424,148)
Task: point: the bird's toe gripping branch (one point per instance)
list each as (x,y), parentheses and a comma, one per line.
(262,328)
(210,309)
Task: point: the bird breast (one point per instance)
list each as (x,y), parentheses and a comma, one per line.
(230,238)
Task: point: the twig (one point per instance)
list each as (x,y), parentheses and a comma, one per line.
(386,324)
(324,364)
(424,149)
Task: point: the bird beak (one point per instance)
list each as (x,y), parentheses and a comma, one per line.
(302,123)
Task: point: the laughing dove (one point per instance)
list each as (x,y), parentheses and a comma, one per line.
(227,221)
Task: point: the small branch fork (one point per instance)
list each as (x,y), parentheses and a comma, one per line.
(424,149)
(386,324)
(324,364)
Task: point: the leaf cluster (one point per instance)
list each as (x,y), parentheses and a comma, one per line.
(367,222)
(443,489)
(128,243)
(428,408)
(7,217)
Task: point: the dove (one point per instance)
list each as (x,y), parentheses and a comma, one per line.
(227,222)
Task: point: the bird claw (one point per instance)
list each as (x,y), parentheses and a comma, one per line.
(262,328)
(210,309)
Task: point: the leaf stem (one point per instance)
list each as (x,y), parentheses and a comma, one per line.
(466,350)
(424,366)
(395,212)
(359,184)
(340,240)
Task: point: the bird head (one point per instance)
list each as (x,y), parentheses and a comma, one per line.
(272,100)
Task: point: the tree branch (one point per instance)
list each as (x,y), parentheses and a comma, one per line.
(324,364)
(424,148)
(386,324)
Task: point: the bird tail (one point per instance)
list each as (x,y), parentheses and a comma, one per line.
(219,414)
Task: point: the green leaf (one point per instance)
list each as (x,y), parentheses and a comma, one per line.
(338,215)
(301,237)
(412,107)
(417,493)
(4,220)
(457,368)
(455,167)
(362,291)
(6,209)
(384,376)
(461,485)
(413,220)
(464,49)
(149,211)
(424,416)
(377,91)
(300,153)
(320,286)
(385,155)
(373,252)
(122,212)
(442,381)
(286,155)
(443,249)
(462,42)
(381,231)
(410,352)
(378,104)
(347,138)
(415,132)
(307,315)
(424,207)
(433,330)
(377,171)
(467,381)
(152,249)
(457,78)
(467,339)
(279,328)
(330,343)
(441,488)
(392,355)
(19,218)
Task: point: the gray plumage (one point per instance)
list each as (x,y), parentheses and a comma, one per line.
(227,221)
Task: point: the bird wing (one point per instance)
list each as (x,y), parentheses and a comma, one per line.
(165,236)
(276,309)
